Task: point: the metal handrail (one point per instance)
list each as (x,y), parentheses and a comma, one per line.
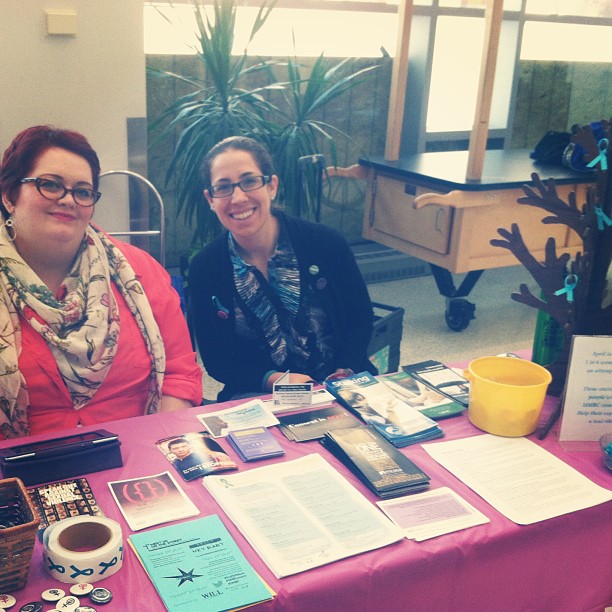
(303,163)
(161,232)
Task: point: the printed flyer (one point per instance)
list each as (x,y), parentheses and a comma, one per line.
(59,500)
(198,566)
(151,500)
(243,416)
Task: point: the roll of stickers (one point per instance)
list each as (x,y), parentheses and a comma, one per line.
(83,549)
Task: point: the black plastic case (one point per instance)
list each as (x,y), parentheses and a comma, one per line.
(71,463)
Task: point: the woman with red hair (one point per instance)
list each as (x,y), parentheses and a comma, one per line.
(90,328)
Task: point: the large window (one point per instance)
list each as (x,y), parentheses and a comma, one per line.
(456,70)
(457,52)
(302,32)
(445,54)
(540,30)
(569,42)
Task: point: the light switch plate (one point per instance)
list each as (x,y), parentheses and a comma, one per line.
(61,23)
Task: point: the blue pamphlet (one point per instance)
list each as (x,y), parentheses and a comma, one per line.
(255,443)
(196,565)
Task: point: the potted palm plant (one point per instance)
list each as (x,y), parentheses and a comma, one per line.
(238,95)
(219,106)
(300,133)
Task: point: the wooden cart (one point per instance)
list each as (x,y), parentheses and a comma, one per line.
(424,206)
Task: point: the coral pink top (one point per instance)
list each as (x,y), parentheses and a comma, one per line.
(124,391)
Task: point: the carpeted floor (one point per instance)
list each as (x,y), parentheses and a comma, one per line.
(501,324)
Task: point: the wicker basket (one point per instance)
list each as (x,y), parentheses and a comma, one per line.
(19,522)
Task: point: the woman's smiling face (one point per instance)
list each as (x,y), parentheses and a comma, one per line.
(48,225)
(244,214)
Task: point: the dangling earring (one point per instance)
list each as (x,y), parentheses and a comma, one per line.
(8,228)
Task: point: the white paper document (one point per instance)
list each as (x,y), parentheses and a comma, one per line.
(431,514)
(301,514)
(517,477)
(244,416)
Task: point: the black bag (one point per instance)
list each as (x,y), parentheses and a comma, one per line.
(575,155)
(551,147)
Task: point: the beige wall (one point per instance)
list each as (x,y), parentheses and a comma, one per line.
(91,82)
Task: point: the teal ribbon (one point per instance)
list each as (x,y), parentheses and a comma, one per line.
(570,282)
(88,571)
(105,565)
(601,158)
(55,567)
(602,218)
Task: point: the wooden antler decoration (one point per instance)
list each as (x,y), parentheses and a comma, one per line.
(571,292)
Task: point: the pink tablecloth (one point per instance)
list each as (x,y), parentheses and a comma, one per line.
(559,564)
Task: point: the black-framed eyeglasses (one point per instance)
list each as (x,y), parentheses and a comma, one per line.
(249,183)
(54,190)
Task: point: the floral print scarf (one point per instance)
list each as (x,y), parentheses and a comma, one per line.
(81,325)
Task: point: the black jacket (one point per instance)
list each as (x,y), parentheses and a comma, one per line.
(326,260)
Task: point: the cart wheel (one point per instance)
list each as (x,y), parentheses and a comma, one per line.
(459,313)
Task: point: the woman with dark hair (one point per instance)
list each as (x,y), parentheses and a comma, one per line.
(273,293)
(90,328)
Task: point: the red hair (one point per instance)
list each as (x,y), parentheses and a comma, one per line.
(21,155)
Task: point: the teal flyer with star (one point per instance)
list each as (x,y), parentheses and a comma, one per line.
(196,565)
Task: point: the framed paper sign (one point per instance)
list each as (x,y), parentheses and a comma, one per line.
(587,408)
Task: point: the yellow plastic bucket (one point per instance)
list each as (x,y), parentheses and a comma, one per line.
(506,395)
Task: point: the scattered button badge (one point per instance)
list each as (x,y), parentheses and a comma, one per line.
(82,588)
(53,594)
(100,595)
(7,601)
(68,603)
(33,606)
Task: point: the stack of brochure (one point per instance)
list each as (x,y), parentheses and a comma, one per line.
(377,405)
(377,463)
(313,424)
(255,443)
(420,396)
(441,378)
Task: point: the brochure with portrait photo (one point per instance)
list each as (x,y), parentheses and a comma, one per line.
(195,454)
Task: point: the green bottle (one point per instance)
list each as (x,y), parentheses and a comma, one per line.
(547,340)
